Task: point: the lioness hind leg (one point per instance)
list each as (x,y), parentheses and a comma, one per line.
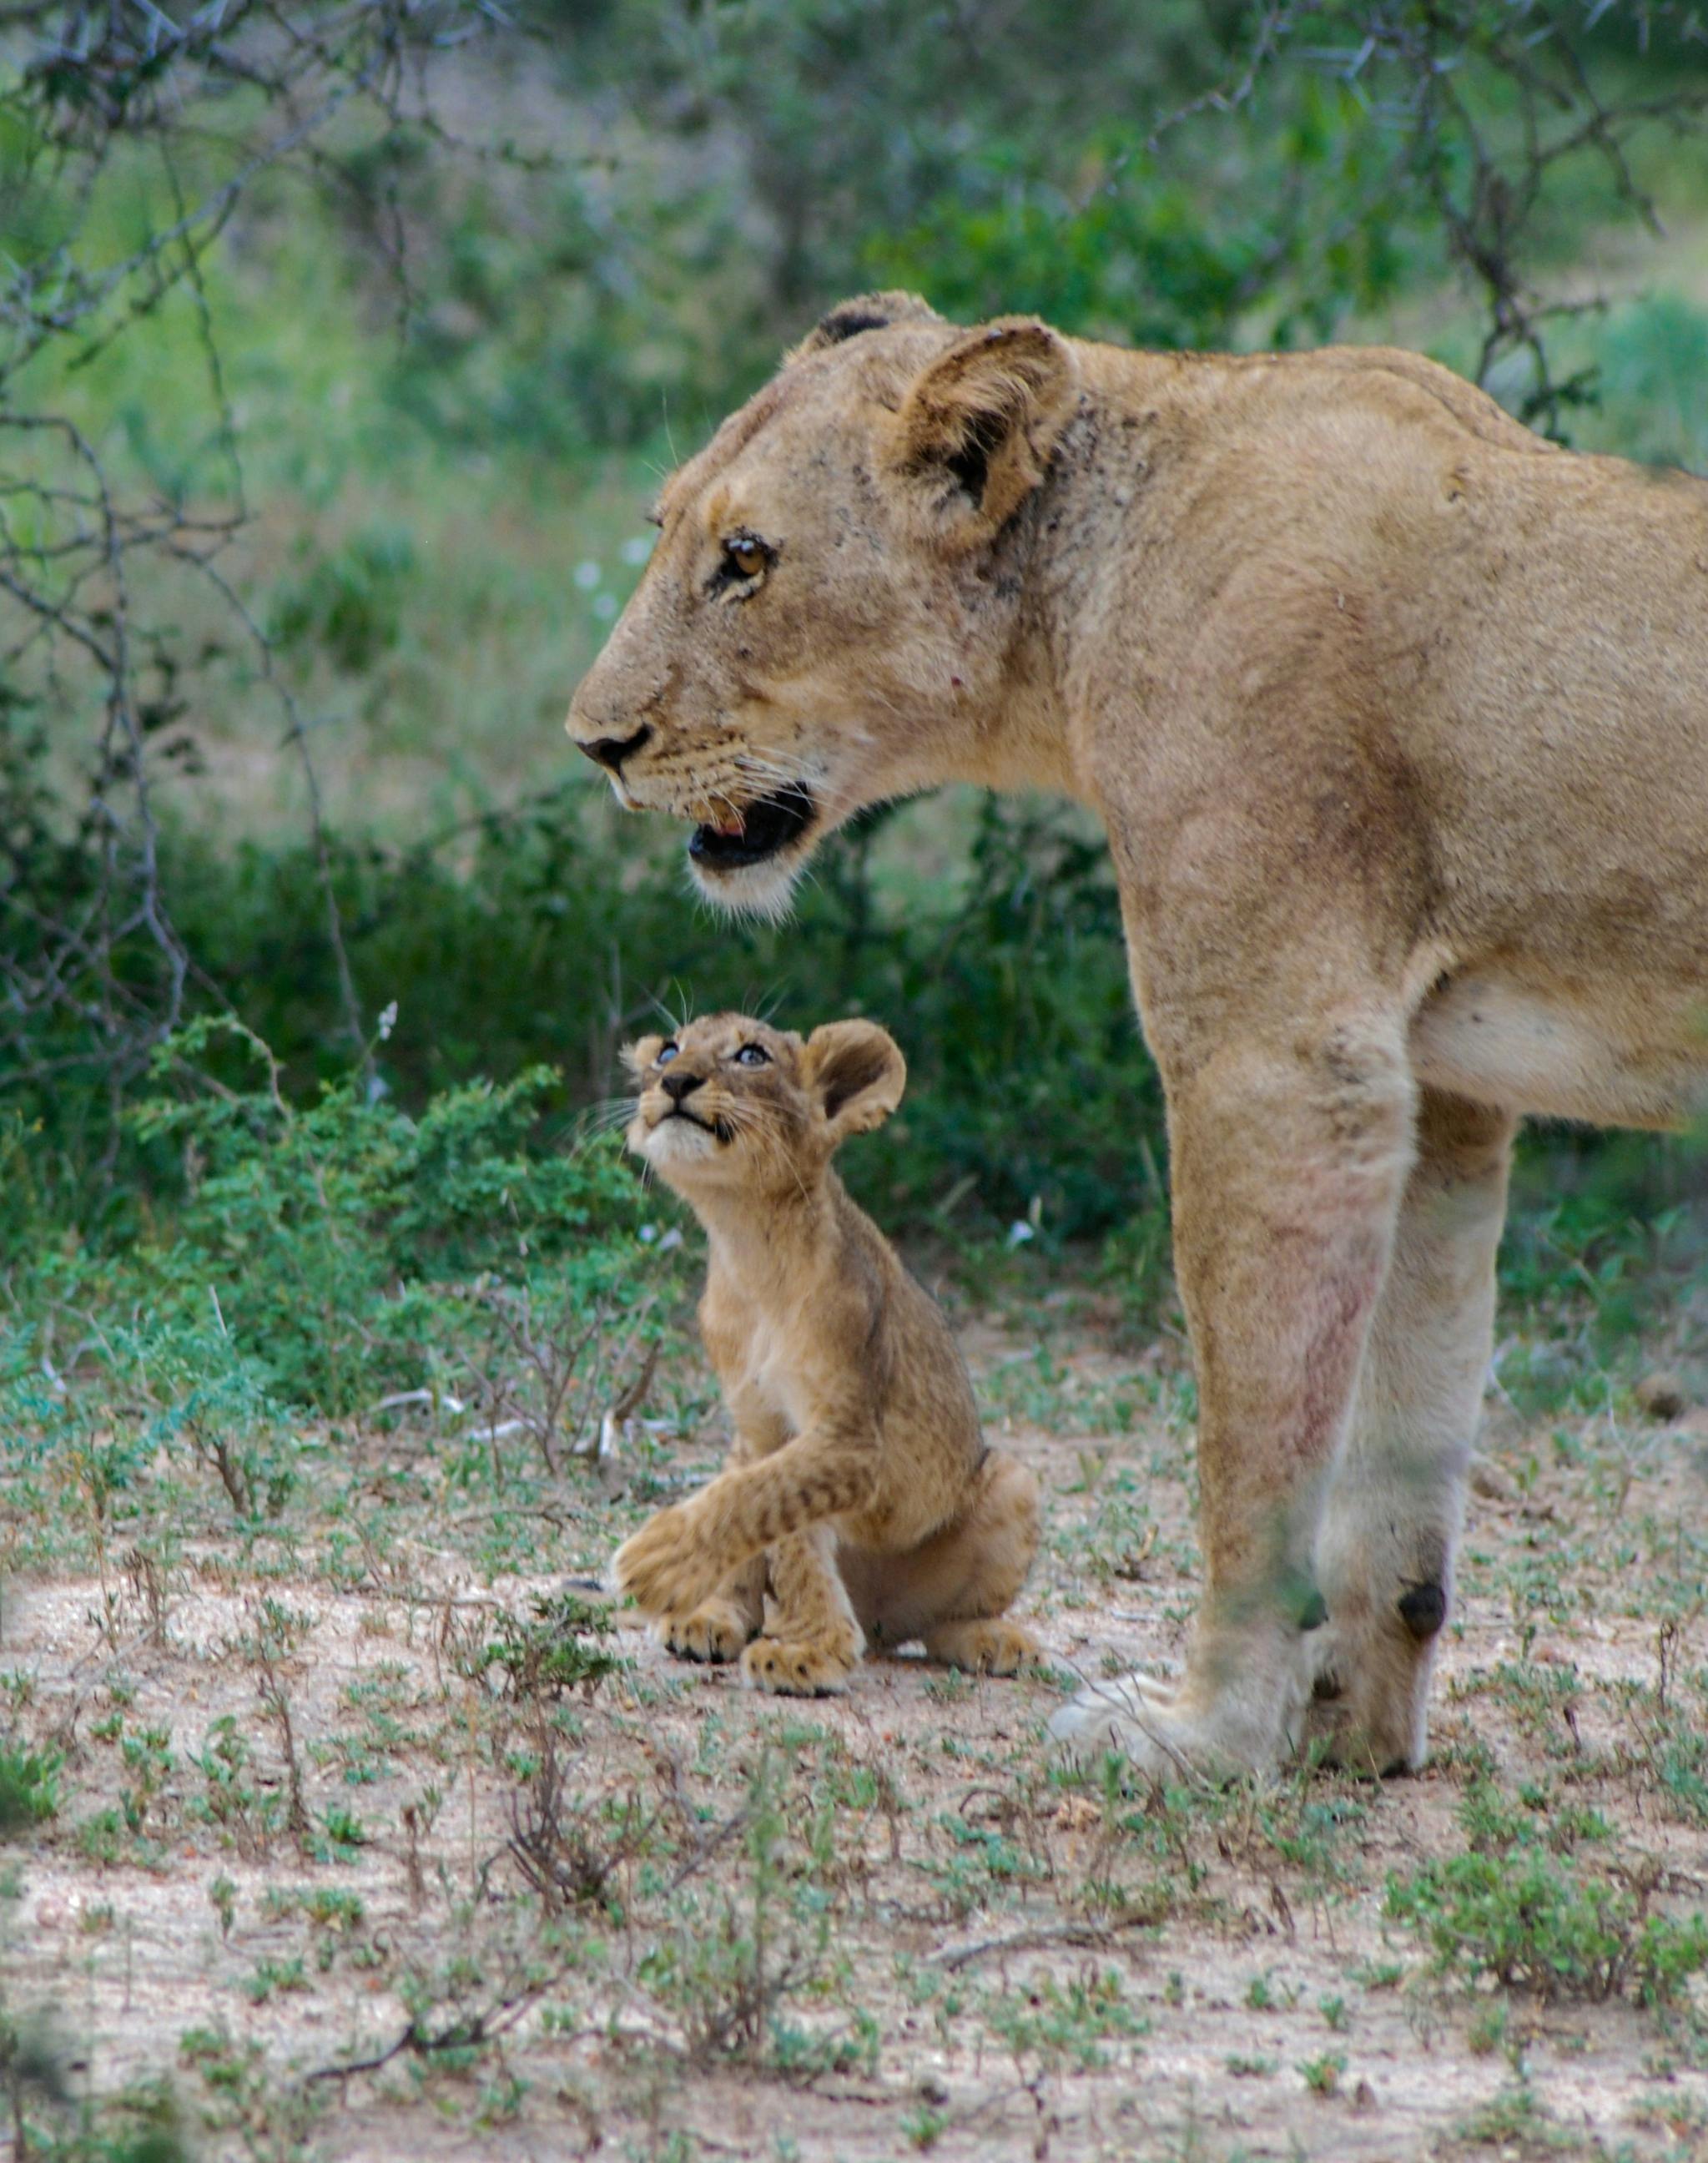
(949,1590)
(1385,1552)
(812,1643)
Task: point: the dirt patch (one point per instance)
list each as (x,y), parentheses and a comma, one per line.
(354,1885)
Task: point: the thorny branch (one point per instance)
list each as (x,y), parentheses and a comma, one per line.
(1485,165)
(1484,104)
(96,99)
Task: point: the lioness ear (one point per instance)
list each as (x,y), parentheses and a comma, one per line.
(639,1055)
(866,311)
(977,426)
(856,1071)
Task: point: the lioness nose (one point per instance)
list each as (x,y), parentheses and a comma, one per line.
(677,1086)
(611,751)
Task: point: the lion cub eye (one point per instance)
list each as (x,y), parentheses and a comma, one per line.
(752,1055)
(666,1052)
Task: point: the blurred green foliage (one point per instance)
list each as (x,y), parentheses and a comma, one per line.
(443,389)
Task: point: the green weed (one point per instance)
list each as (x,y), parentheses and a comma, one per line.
(561,1647)
(1509,1910)
(29,1786)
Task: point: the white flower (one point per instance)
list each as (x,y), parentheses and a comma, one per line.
(637,549)
(588,575)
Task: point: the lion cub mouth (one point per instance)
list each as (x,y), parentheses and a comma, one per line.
(766,826)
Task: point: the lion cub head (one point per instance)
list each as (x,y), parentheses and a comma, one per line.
(830,614)
(729,1102)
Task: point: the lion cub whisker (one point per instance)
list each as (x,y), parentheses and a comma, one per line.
(860,1504)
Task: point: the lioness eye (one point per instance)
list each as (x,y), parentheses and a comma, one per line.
(752,1055)
(666,1052)
(745,557)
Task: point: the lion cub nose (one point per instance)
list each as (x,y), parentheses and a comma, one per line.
(677,1086)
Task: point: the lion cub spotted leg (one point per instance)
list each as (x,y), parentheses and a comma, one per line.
(1385,1552)
(954,1590)
(812,1642)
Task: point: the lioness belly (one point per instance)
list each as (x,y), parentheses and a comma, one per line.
(1613,1055)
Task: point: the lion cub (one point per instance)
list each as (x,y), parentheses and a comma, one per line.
(859,1495)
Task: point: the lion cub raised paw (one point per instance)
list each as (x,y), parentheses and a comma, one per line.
(859,1499)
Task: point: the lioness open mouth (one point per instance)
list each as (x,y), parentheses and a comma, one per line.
(764,827)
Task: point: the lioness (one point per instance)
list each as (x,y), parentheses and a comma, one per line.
(859,1494)
(1396,717)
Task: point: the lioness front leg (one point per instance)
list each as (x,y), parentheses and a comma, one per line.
(1289,1157)
(1385,1555)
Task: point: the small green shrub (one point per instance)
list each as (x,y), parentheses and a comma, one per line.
(29,1786)
(347,604)
(1509,1910)
(560,1648)
(293,1262)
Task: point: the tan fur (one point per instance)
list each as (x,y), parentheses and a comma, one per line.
(860,1502)
(1398,719)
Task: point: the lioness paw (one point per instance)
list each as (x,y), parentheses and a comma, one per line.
(798,1666)
(666,1567)
(716,1632)
(1170,1731)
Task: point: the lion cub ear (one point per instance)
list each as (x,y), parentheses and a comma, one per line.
(977,428)
(856,1071)
(639,1055)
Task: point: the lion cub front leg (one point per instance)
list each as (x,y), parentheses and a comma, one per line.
(682,1556)
(719,1627)
(812,1643)
(716,1630)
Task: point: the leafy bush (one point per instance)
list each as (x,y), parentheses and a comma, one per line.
(560,1648)
(566,930)
(1509,1910)
(343,1246)
(292,1262)
(1111,243)
(347,604)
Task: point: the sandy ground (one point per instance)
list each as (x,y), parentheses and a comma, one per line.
(986,1961)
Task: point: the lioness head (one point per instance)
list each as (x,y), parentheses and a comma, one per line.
(827,616)
(729,1100)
